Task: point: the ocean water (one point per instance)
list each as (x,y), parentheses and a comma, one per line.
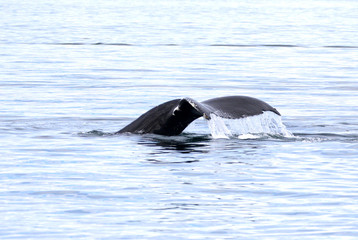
(74,72)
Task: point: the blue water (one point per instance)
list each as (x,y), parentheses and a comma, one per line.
(74,72)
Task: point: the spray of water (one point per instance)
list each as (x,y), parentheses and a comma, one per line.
(249,127)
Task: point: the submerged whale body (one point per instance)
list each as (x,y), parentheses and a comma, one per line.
(172,117)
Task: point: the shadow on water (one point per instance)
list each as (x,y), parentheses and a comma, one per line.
(184,143)
(194,143)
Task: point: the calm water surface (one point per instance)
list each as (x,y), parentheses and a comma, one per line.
(73,72)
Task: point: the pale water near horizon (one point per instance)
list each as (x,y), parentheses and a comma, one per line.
(75,72)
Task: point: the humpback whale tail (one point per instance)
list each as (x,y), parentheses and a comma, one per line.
(172,117)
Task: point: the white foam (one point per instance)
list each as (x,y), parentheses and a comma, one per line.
(248,136)
(248,127)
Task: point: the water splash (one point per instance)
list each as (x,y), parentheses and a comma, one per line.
(95,133)
(249,127)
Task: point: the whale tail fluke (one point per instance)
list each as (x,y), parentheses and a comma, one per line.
(172,117)
(169,118)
